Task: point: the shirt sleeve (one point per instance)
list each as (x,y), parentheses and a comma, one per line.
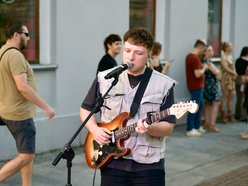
(196,63)
(168,102)
(90,99)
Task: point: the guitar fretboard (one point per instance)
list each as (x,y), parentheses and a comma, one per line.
(159,115)
(128,130)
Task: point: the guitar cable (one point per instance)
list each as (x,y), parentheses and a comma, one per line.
(94,177)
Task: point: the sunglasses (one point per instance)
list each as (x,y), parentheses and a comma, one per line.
(25,33)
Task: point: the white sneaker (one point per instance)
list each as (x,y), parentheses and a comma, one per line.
(201,130)
(193,132)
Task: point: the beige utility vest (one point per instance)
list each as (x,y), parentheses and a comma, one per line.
(144,148)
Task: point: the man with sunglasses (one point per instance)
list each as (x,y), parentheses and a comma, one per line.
(18,99)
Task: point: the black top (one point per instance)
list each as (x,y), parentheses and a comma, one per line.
(106,63)
(240,66)
(158,68)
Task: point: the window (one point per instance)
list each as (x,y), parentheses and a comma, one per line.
(214,25)
(27,11)
(142,13)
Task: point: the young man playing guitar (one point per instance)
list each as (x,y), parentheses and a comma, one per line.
(144,163)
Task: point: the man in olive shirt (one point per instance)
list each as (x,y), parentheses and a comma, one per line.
(18,99)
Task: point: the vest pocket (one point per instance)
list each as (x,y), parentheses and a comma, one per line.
(146,154)
(151,103)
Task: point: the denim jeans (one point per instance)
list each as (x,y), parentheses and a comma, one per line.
(193,119)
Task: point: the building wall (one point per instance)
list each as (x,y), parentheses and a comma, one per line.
(71,37)
(71,44)
(179,23)
(240,26)
(184,28)
(180,28)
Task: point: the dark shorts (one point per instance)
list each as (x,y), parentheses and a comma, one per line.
(23,133)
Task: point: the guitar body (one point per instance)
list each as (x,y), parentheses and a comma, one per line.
(97,155)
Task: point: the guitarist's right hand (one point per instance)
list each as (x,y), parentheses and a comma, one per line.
(102,135)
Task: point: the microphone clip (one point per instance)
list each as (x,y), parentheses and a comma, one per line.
(118,70)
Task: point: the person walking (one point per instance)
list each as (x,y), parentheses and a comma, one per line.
(18,98)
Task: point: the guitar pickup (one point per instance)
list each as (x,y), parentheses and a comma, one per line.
(96,145)
(112,137)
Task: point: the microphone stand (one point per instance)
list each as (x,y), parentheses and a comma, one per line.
(67,152)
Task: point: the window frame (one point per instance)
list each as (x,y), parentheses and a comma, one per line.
(217,50)
(36,49)
(152,26)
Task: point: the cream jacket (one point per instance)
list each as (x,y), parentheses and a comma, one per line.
(144,148)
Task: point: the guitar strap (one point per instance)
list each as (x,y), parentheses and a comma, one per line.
(140,92)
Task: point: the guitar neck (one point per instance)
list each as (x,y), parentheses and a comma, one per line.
(128,130)
(155,117)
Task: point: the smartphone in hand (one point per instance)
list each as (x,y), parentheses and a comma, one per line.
(171,60)
(167,61)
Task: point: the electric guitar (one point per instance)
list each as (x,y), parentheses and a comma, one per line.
(98,156)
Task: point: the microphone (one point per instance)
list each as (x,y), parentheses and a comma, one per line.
(118,70)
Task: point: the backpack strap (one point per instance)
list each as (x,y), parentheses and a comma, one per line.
(1,122)
(140,92)
(7,50)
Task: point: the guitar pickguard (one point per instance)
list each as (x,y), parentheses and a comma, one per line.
(102,151)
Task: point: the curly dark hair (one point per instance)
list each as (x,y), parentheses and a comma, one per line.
(139,36)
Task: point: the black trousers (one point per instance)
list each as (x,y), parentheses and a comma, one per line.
(115,177)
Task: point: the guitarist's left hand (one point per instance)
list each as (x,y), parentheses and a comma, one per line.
(142,127)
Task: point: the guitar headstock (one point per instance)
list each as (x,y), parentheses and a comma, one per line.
(179,109)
